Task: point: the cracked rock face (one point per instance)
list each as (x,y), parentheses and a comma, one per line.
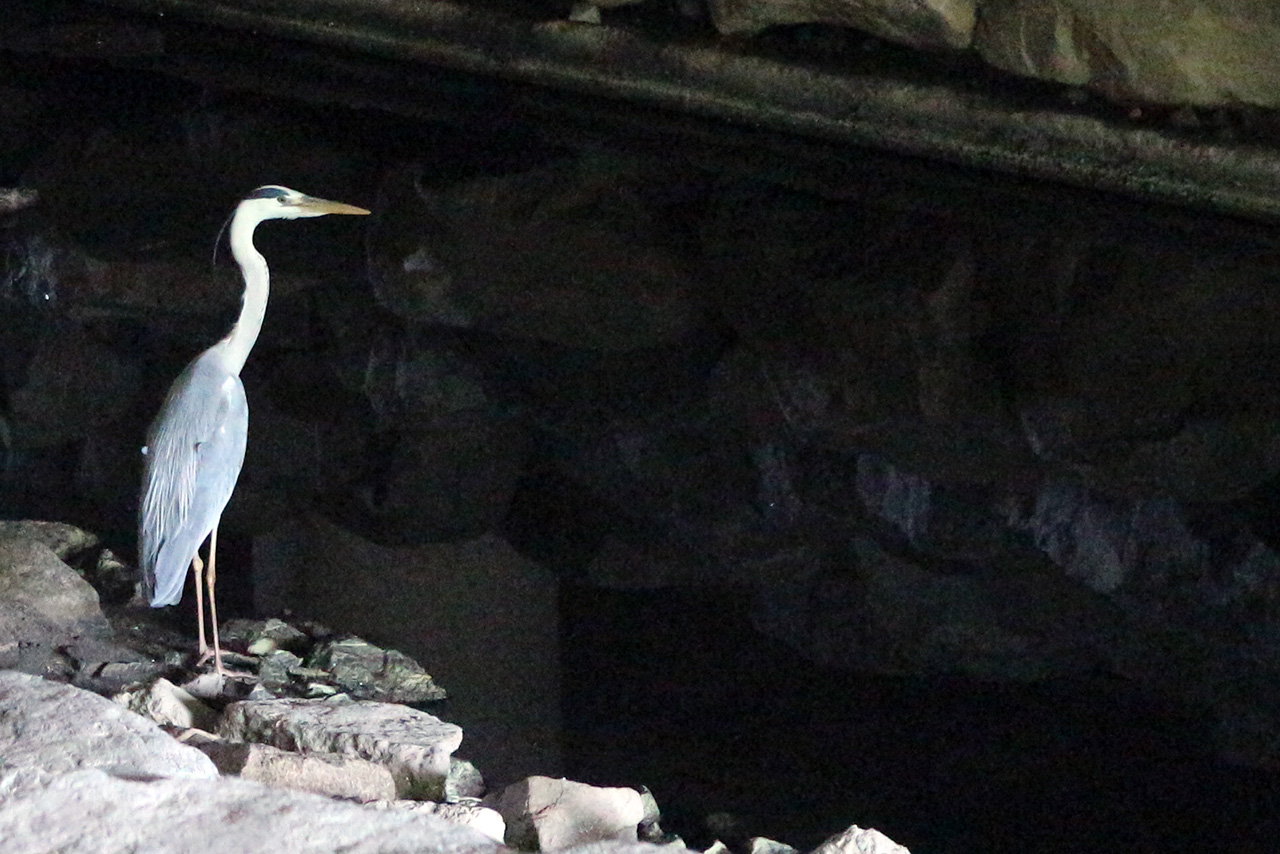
(416,746)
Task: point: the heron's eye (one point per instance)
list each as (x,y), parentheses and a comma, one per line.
(282,200)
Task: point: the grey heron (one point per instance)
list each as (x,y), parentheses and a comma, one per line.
(196,444)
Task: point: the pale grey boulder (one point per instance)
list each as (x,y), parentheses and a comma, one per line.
(93,812)
(49,729)
(548,814)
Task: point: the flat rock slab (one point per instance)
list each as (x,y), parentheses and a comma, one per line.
(97,813)
(548,814)
(328,774)
(48,729)
(413,745)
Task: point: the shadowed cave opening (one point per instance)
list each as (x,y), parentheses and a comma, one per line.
(672,683)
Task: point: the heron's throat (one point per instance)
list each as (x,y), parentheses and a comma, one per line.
(253,309)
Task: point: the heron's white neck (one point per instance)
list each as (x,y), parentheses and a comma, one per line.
(236,346)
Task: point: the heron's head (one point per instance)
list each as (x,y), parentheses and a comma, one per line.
(274,202)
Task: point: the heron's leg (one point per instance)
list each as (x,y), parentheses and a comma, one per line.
(197,567)
(213,600)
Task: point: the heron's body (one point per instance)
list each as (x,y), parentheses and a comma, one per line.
(190,470)
(195,447)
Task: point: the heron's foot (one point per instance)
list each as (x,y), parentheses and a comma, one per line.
(211,654)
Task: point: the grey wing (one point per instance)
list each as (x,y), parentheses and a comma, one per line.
(194,452)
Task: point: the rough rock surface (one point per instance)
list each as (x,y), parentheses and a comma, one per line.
(64,540)
(46,601)
(414,745)
(368,672)
(330,774)
(548,814)
(1202,52)
(918,23)
(860,840)
(470,814)
(49,729)
(111,813)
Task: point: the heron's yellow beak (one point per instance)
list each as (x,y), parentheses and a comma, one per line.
(323,206)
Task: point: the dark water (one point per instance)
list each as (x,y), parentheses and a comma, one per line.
(669,688)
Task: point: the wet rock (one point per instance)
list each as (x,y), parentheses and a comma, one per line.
(168,705)
(368,672)
(924,24)
(545,814)
(859,840)
(117,814)
(330,774)
(472,815)
(50,729)
(414,745)
(1149,51)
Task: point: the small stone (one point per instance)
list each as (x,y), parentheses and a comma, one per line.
(245,634)
(261,693)
(649,830)
(276,668)
(464,781)
(548,814)
(762,845)
(167,704)
(263,646)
